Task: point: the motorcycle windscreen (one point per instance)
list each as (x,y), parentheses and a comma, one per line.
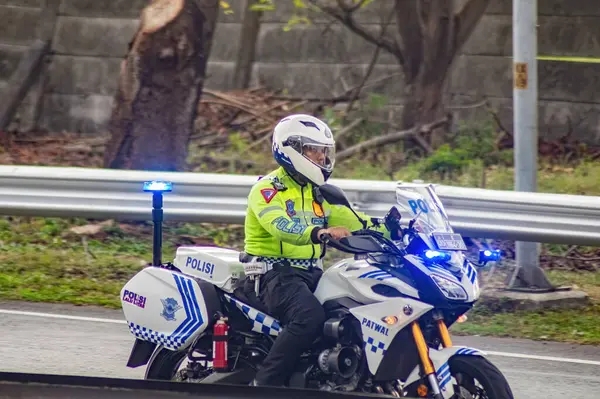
(420,201)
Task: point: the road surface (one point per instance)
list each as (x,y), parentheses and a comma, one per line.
(90,341)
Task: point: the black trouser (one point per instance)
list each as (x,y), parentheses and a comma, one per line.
(287,292)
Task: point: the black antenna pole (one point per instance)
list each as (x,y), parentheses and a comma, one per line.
(157,219)
(157,188)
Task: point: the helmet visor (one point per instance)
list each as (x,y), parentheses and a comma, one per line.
(322,155)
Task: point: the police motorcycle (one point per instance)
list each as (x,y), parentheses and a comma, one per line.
(388,311)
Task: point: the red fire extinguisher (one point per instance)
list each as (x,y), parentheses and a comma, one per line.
(220,338)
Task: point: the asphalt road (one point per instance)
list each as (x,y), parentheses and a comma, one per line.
(99,344)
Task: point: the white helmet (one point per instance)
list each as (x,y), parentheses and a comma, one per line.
(298,134)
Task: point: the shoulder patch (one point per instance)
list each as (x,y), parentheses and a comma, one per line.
(268,194)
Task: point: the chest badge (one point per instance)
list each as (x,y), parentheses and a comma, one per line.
(318,209)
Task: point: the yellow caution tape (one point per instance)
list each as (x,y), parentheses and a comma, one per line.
(589,60)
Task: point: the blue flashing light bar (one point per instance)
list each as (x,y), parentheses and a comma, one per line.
(158,186)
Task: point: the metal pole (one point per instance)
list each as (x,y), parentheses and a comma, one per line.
(157,219)
(525,108)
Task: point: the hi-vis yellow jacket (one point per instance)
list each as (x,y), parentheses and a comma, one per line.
(283,222)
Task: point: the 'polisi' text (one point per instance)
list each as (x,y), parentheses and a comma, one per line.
(201,266)
(134,299)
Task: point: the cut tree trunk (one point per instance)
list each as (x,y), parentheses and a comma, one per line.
(161,81)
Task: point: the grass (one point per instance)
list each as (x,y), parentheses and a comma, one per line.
(580,326)
(43,261)
(576,326)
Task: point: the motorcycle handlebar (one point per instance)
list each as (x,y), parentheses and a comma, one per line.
(327,239)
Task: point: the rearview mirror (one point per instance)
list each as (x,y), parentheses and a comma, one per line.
(334,195)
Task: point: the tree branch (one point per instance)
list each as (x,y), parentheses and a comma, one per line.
(390,138)
(347,19)
(350,8)
(467,20)
(346,129)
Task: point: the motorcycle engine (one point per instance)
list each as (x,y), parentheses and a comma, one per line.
(341,360)
(339,368)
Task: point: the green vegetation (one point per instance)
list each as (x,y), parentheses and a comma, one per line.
(43,260)
(580,326)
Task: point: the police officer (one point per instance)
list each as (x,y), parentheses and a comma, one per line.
(285,221)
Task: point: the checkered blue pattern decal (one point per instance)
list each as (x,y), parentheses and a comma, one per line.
(296,262)
(184,331)
(147,334)
(375,346)
(262,323)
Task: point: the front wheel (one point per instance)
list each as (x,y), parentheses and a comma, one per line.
(478,378)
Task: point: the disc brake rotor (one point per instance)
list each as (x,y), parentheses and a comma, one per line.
(467,388)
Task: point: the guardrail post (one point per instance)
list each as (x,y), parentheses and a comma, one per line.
(525,91)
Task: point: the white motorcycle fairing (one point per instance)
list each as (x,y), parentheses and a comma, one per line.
(219,266)
(440,360)
(378,335)
(356,279)
(165,307)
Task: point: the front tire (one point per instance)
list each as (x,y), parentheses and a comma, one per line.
(470,370)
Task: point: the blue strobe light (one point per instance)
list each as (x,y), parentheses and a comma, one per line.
(437,256)
(489,255)
(158,186)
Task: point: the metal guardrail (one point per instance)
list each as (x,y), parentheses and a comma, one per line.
(220,198)
(49,386)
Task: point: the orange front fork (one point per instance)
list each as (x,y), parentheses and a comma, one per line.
(444,334)
(423,351)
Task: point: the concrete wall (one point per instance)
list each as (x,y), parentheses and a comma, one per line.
(91,37)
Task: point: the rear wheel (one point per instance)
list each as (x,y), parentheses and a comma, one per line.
(164,365)
(478,378)
(175,366)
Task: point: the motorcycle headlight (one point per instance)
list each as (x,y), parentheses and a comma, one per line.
(450,289)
